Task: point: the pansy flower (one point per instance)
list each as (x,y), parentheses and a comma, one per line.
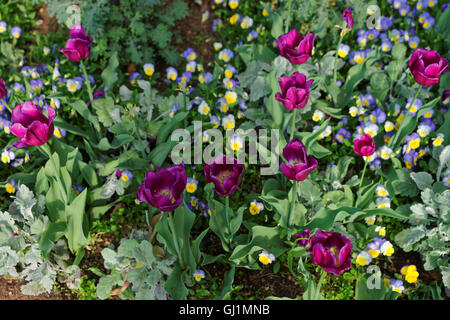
(256,207)
(11,186)
(246,22)
(16,32)
(343,50)
(226,55)
(199,274)
(266,257)
(3,26)
(396,285)
(236,142)
(191,185)
(171,73)
(189,54)
(228,122)
(363,258)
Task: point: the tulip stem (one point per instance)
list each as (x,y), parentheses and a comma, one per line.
(288,22)
(364,171)
(293,124)
(227,207)
(336,58)
(6,105)
(292,208)
(174,237)
(88,84)
(319,284)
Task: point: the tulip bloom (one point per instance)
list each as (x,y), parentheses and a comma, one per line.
(299,164)
(164,188)
(225,173)
(31,125)
(295,47)
(348,17)
(427,66)
(3,89)
(77,48)
(294,91)
(331,251)
(365,146)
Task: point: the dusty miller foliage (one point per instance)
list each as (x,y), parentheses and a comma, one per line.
(134,264)
(429,233)
(21,229)
(138,28)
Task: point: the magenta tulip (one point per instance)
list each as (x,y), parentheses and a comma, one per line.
(294,91)
(77,48)
(164,188)
(299,164)
(3,89)
(348,17)
(427,66)
(31,125)
(226,174)
(364,146)
(295,47)
(331,251)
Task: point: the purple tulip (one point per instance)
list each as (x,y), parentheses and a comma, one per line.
(299,164)
(348,17)
(294,91)
(225,173)
(164,188)
(427,66)
(77,48)
(364,146)
(295,47)
(31,125)
(3,89)
(331,251)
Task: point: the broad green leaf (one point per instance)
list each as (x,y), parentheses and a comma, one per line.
(77,231)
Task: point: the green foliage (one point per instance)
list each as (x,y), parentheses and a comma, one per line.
(135,271)
(21,231)
(429,233)
(140,29)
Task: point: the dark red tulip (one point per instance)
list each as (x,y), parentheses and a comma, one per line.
(225,173)
(364,146)
(295,47)
(331,251)
(164,188)
(294,91)
(348,17)
(3,89)
(299,164)
(427,66)
(77,48)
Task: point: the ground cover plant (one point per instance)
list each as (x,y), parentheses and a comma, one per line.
(225,149)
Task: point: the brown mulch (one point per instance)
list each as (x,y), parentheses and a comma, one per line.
(48,24)
(195,34)
(10,290)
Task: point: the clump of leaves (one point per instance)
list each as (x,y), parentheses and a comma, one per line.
(137,270)
(21,232)
(140,29)
(429,233)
